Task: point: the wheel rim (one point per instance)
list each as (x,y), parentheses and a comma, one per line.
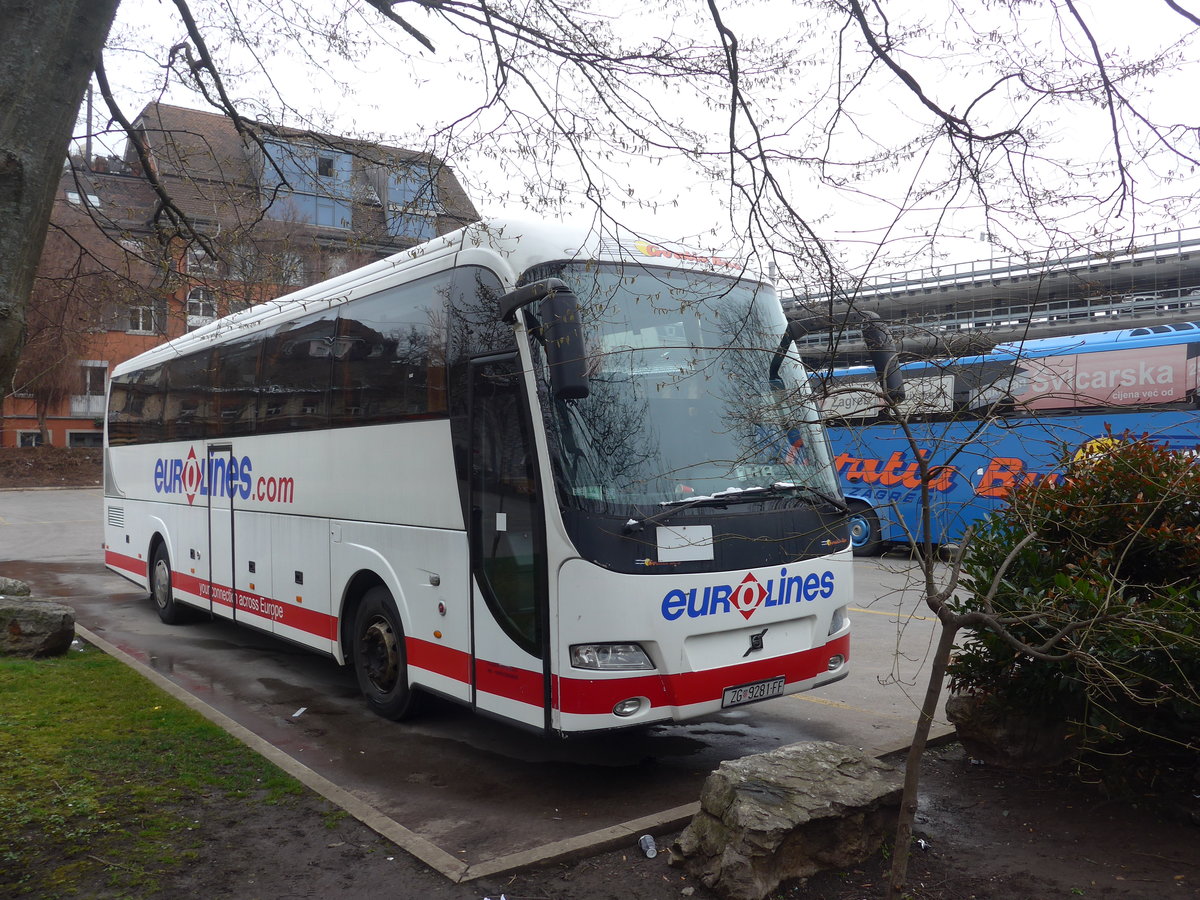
(380,655)
(860,531)
(162,583)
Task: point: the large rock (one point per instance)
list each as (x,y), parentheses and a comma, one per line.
(10,587)
(35,627)
(1010,738)
(788,814)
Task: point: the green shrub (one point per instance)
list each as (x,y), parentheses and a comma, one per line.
(1107,589)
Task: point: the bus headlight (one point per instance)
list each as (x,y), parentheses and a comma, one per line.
(838,621)
(610,657)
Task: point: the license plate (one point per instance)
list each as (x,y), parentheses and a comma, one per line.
(749,693)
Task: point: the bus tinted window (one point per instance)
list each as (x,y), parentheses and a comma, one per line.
(474,327)
(294,387)
(389,355)
(236,377)
(135,407)
(189,398)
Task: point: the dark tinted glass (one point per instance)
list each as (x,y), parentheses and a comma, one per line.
(190,393)
(294,383)
(389,356)
(135,407)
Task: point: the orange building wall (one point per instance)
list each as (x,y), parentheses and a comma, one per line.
(20,413)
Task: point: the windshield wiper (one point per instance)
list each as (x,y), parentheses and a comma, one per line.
(834,501)
(733,496)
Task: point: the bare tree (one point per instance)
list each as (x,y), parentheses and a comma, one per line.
(47,54)
(568,100)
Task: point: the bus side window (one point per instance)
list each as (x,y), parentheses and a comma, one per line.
(236,376)
(135,407)
(295,366)
(389,355)
(189,397)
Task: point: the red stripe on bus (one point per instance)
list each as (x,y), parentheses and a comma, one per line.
(310,621)
(520,685)
(594,696)
(138,567)
(439,659)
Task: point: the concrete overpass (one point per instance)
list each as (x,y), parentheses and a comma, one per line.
(1153,280)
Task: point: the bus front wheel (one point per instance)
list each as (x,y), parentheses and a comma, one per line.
(161,590)
(380,663)
(864,530)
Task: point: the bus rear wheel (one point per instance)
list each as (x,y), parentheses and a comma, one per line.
(864,530)
(161,590)
(380,663)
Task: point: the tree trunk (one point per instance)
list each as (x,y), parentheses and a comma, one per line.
(48,51)
(912,768)
(43,429)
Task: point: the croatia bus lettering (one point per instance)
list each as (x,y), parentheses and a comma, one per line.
(748,596)
(221,477)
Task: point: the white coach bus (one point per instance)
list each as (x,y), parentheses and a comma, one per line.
(572,482)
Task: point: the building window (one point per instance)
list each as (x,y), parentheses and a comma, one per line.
(302,183)
(200,263)
(77,199)
(29,439)
(85,439)
(201,308)
(291,269)
(141,320)
(88,399)
(91,378)
(337,265)
(412,203)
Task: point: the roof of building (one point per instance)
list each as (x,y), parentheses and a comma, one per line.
(214,176)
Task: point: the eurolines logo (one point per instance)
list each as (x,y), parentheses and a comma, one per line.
(748,596)
(219,476)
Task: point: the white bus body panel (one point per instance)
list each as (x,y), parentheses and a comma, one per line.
(426,571)
(697,631)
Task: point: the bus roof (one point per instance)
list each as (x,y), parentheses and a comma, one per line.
(518,244)
(1064,345)
(1121,338)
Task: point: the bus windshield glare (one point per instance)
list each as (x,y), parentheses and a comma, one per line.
(682,406)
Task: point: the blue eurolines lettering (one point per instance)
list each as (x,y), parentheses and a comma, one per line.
(748,595)
(218,476)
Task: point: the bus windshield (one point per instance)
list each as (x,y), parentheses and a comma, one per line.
(682,404)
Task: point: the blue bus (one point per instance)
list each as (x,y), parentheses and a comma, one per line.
(992,421)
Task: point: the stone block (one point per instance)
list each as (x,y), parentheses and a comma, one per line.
(35,627)
(1010,738)
(10,587)
(788,814)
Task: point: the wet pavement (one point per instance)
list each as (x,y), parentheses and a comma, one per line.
(476,788)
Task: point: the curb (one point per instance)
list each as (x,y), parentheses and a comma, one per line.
(55,487)
(599,841)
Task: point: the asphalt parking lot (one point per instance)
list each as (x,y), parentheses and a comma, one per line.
(459,790)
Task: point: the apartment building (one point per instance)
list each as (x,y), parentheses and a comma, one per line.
(196,220)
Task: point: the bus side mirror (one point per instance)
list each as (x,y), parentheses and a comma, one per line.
(882,348)
(876,336)
(559,331)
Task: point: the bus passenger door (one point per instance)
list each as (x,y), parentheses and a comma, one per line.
(510,662)
(221,595)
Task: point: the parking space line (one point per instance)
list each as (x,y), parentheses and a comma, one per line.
(885,612)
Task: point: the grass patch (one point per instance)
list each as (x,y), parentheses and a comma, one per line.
(99,770)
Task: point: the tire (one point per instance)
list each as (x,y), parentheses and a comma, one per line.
(864,530)
(161,590)
(380,663)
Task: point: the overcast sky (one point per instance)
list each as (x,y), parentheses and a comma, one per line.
(400,95)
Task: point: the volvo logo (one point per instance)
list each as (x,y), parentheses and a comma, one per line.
(756,643)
